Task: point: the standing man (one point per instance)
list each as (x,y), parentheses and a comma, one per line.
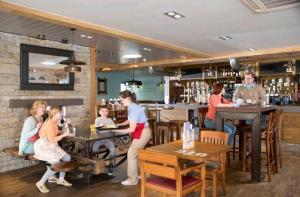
(249,91)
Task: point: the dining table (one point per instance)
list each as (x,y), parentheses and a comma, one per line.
(254,114)
(201,151)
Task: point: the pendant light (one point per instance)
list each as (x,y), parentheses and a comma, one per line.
(133,82)
(72,64)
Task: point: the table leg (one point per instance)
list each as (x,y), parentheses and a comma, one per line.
(256,149)
(219,122)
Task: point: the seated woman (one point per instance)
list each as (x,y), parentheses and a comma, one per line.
(216,99)
(47,149)
(31,127)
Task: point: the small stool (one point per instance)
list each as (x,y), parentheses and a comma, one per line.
(64,166)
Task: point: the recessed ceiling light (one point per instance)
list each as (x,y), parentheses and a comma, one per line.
(225,37)
(132,55)
(177,16)
(147,49)
(48,63)
(86,36)
(144,59)
(171,13)
(252,49)
(174,15)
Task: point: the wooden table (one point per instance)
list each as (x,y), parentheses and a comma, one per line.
(200,147)
(253,113)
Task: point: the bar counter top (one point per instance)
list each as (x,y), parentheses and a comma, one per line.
(193,106)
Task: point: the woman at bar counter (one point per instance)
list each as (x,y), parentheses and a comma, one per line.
(216,99)
(47,149)
(31,127)
(140,134)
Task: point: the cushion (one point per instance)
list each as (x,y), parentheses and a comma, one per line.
(187,181)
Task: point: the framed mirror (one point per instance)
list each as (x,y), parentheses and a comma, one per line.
(40,68)
(102,86)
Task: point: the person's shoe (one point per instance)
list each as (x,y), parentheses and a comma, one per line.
(130,181)
(52,179)
(64,183)
(42,188)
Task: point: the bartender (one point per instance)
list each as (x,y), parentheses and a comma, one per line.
(140,134)
(250,92)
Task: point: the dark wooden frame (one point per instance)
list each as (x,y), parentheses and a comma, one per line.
(25,49)
(99,90)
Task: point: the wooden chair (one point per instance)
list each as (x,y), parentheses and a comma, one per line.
(216,166)
(161,172)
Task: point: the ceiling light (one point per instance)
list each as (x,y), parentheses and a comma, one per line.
(182,56)
(132,55)
(252,49)
(65,41)
(174,15)
(171,13)
(86,36)
(70,69)
(177,16)
(225,37)
(106,68)
(144,59)
(41,37)
(72,64)
(147,49)
(48,63)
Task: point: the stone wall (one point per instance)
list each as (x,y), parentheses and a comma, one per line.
(11,120)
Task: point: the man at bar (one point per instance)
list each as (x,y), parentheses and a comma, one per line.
(250,92)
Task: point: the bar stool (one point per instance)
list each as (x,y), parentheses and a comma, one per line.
(163,129)
(152,125)
(177,127)
(268,136)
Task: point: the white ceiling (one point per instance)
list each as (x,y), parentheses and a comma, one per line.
(204,21)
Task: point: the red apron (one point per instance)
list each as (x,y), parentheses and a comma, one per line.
(138,131)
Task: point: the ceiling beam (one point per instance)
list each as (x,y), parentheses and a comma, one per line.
(93,28)
(246,56)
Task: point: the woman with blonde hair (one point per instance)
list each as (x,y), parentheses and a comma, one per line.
(31,127)
(47,149)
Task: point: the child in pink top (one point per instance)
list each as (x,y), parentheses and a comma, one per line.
(217,99)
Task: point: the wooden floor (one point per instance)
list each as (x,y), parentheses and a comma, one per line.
(21,183)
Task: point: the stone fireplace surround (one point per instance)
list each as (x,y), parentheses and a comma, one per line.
(15,103)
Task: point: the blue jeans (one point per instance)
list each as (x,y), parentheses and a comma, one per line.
(228,128)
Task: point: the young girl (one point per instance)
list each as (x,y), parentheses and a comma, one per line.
(47,149)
